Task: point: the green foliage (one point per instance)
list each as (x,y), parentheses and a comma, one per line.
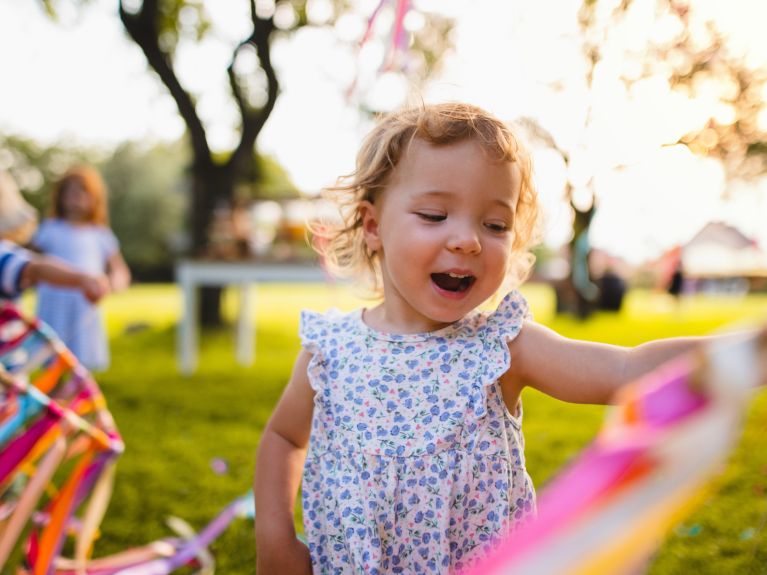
(147,201)
(147,187)
(175,427)
(266,178)
(35,167)
(179,18)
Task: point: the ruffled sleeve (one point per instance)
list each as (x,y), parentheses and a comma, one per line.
(506,321)
(312,329)
(501,327)
(319,334)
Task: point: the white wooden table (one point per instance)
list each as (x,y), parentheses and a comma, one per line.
(191,274)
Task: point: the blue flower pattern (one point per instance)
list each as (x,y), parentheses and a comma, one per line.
(414,464)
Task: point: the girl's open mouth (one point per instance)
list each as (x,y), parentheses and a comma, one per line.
(452,282)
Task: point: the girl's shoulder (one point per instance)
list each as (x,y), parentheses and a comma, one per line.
(61,225)
(105,232)
(509,316)
(48,230)
(54,230)
(50,223)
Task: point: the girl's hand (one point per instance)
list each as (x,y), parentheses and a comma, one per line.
(94,287)
(289,558)
(280,460)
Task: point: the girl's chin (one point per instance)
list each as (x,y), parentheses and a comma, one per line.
(449,311)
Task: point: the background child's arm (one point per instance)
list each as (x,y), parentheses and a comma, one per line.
(279,465)
(581,371)
(118,272)
(52,271)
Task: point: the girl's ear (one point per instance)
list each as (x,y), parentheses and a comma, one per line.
(369,217)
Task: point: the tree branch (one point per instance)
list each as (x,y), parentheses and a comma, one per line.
(253,119)
(142,28)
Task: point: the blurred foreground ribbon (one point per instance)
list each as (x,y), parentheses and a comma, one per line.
(396,53)
(58,447)
(668,433)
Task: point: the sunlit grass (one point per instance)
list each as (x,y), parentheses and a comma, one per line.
(191,440)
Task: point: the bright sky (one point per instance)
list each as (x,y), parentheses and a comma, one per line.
(82,81)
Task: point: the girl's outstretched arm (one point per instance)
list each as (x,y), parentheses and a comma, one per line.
(279,466)
(49,269)
(118,272)
(581,371)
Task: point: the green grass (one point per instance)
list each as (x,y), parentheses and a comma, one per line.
(175,427)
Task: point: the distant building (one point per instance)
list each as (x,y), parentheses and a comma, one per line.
(720,250)
(718,258)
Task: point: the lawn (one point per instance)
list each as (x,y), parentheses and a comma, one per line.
(190,441)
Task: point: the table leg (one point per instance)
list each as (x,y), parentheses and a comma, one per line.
(187,336)
(246,336)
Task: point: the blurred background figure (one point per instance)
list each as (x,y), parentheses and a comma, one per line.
(78,233)
(18,220)
(676,283)
(612,289)
(20,268)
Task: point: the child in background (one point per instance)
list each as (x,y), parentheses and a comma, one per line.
(78,234)
(20,268)
(405,419)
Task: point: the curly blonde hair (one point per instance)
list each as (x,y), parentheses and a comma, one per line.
(341,243)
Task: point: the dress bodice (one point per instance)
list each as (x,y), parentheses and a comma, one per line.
(414,462)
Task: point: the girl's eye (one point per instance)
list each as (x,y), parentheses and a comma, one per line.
(497,226)
(429,217)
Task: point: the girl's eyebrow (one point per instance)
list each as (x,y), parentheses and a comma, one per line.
(434,193)
(502,202)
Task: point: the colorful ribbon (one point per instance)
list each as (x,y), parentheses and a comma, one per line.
(52,412)
(670,431)
(397,48)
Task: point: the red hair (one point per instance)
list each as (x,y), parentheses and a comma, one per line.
(90,180)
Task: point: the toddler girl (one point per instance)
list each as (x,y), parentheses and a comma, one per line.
(405,419)
(20,268)
(78,234)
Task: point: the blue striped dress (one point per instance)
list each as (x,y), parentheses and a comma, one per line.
(78,322)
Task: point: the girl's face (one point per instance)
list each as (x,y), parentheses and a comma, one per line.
(76,203)
(443,233)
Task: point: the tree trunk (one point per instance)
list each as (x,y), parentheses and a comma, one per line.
(570,296)
(213,186)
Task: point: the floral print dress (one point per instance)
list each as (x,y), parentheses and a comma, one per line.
(414,463)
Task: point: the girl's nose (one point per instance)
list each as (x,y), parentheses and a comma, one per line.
(465,240)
